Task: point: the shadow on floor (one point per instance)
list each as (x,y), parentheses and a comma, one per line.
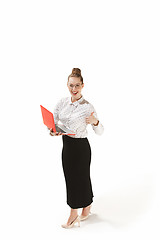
(123,206)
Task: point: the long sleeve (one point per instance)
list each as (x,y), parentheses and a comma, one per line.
(99,129)
(73,114)
(56,111)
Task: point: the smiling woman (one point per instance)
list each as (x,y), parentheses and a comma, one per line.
(76,113)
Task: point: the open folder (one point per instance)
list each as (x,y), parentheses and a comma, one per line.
(48,120)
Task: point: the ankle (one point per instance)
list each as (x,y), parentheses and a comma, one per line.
(86,210)
(73,213)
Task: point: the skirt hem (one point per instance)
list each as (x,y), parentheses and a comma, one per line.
(79,206)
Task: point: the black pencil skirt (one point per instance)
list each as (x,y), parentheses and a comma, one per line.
(76,160)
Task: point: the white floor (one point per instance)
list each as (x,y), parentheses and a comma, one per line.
(33,205)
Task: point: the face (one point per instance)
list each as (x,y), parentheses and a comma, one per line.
(75,87)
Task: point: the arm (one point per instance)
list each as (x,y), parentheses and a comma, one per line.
(95,123)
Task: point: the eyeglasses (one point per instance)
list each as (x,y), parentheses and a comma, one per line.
(76,86)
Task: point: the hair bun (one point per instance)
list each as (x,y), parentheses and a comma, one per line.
(76,71)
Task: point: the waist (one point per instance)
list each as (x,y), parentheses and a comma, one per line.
(67,137)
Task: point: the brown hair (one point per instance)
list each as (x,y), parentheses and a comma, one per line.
(76,72)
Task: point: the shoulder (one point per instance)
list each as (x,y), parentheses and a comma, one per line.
(61,102)
(89,106)
(64,99)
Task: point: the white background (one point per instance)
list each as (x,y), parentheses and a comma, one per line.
(116,45)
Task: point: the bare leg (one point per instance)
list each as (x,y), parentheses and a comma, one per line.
(86,210)
(73,215)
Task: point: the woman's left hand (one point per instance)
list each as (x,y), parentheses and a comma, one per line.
(91,119)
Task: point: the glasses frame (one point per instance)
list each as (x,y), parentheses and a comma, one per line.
(75,85)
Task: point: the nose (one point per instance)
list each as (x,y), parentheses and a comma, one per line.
(74,87)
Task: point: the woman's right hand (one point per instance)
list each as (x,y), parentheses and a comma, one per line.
(55,133)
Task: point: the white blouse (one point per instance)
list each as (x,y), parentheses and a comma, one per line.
(72,116)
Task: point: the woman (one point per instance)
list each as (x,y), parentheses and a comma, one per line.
(75,113)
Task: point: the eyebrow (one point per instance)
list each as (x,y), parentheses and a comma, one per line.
(74,84)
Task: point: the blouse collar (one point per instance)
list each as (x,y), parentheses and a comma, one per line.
(76,102)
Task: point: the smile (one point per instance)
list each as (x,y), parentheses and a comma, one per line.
(74,93)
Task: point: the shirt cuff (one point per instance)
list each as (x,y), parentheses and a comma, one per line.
(99,129)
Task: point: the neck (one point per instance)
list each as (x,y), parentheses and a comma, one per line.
(74,99)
